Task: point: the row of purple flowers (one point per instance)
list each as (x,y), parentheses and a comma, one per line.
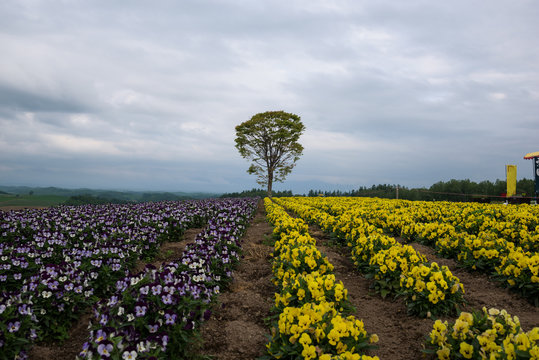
(156,313)
(56,262)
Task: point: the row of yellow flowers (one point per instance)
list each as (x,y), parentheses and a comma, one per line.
(488,334)
(396,269)
(312,312)
(517,224)
(514,266)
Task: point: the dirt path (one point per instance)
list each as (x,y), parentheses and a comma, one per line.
(236,329)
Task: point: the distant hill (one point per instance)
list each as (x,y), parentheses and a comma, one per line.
(85,194)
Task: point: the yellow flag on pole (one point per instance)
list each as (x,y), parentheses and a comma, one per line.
(511,172)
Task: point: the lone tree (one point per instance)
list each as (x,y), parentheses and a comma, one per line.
(270,140)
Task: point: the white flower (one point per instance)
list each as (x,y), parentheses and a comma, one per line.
(120,311)
(141,347)
(493,312)
(129,355)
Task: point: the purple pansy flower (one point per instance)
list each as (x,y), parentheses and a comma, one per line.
(105,348)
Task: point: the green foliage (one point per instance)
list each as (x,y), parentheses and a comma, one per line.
(61,195)
(23,200)
(155,196)
(452,190)
(256,193)
(91,200)
(270,141)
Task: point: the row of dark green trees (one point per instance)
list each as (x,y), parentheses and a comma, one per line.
(452,190)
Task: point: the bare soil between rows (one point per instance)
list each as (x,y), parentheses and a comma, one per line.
(236,329)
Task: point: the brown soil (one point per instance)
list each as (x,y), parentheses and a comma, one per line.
(236,329)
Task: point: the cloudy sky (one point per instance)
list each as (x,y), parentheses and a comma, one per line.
(145,95)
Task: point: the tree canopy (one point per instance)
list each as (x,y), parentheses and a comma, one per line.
(270,141)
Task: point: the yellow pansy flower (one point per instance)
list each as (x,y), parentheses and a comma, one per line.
(466,350)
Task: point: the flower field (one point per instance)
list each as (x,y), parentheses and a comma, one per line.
(414,260)
(366,226)
(314,315)
(56,263)
(502,241)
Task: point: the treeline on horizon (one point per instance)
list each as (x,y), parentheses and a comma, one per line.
(257,193)
(452,190)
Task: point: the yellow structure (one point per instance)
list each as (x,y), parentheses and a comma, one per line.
(531,155)
(511,172)
(535,157)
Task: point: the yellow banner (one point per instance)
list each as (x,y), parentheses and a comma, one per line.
(511,172)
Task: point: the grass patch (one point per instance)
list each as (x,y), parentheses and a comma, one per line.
(31,200)
(268,240)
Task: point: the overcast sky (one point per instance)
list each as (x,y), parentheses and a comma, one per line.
(145,95)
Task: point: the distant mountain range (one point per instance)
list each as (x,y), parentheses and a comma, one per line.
(132,196)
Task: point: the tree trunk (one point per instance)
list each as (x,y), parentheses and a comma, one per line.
(270,183)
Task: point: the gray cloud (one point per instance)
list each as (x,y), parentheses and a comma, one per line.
(100,93)
(24,101)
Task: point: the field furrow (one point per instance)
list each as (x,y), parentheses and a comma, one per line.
(236,329)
